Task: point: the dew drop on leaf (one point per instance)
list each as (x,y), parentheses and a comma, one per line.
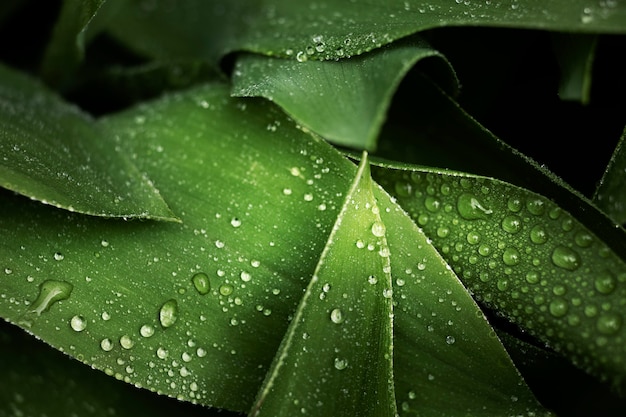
(471,208)
(168,314)
(566,258)
(558,307)
(609,323)
(146,330)
(605,283)
(126,342)
(341,364)
(201,283)
(50,292)
(336,316)
(106,344)
(78,323)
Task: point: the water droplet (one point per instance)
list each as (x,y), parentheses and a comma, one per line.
(50,291)
(226,289)
(450,340)
(432,204)
(536,206)
(605,283)
(106,344)
(583,239)
(162,353)
(403,189)
(473,238)
(146,330)
(609,323)
(201,283)
(336,316)
(301,56)
(512,224)
(126,342)
(511,256)
(538,235)
(566,258)
(558,307)
(235,222)
(378,229)
(387,293)
(58,256)
(78,323)
(245,276)
(471,208)
(514,204)
(341,364)
(372,279)
(168,313)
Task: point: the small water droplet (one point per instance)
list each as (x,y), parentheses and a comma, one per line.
(450,340)
(538,235)
(245,276)
(168,314)
(106,344)
(226,289)
(372,279)
(341,364)
(609,323)
(511,256)
(162,353)
(558,307)
(201,283)
(536,206)
(146,330)
(127,342)
(78,323)
(58,256)
(512,224)
(336,316)
(235,222)
(605,282)
(378,229)
(566,258)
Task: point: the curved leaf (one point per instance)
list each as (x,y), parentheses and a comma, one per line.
(611,192)
(67,46)
(522,255)
(575,54)
(53,152)
(345,101)
(193,310)
(341,334)
(331,29)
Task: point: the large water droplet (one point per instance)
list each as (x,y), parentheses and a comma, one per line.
(566,258)
(78,323)
(106,344)
(201,283)
(558,307)
(168,314)
(538,235)
(126,342)
(471,208)
(512,224)
(605,283)
(378,229)
(146,330)
(336,316)
(609,323)
(50,292)
(511,256)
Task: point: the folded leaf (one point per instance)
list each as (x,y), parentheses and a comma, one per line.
(344,101)
(336,357)
(54,153)
(522,255)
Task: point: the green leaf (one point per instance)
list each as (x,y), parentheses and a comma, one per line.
(523,256)
(331,29)
(341,333)
(575,54)
(344,101)
(611,192)
(447,357)
(193,310)
(67,46)
(54,153)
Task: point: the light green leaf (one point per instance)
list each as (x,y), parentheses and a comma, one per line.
(193,310)
(448,360)
(611,192)
(523,256)
(344,101)
(332,29)
(575,54)
(67,45)
(53,152)
(336,357)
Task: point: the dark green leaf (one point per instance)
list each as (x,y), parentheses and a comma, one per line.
(611,193)
(53,152)
(345,101)
(575,54)
(522,255)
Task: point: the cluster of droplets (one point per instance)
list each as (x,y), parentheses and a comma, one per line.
(523,255)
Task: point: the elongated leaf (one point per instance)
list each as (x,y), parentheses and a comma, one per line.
(345,101)
(611,192)
(341,334)
(40,381)
(332,29)
(54,153)
(193,310)
(67,46)
(448,359)
(522,255)
(575,55)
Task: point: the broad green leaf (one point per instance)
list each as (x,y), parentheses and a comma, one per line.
(332,29)
(522,255)
(67,45)
(448,360)
(336,357)
(194,310)
(54,153)
(611,192)
(344,101)
(575,54)
(40,381)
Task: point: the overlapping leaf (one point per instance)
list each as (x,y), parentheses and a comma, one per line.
(332,29)
(611,192)
(52,152)
(522,255)
(345,101)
